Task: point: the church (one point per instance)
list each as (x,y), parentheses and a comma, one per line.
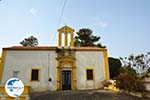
(52,68)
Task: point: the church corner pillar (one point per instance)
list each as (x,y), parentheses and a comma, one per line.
(107,75)
(2,63)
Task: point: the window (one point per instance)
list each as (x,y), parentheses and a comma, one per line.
(89,74)
(35,75)
(15,74)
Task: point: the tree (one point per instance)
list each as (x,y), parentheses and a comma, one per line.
(134,69)
(86,38)
(114,66)
(128,70)
(140,63)
(30,41)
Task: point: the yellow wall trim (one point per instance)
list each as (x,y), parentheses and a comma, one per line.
(2,63)
(106,65)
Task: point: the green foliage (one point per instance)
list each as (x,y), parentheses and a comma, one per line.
(114,66)
(130,81)
(85,38)
(30,41)
(134,70)
(140,63)
(128,70)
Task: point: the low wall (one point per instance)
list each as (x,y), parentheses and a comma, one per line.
(147,82)
(24,96)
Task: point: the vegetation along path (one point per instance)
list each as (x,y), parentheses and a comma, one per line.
(83,95)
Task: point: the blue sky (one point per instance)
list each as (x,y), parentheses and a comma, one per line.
(124,25)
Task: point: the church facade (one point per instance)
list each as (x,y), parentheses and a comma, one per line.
(62,67)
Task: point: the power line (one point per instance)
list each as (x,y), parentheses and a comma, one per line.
(59,20)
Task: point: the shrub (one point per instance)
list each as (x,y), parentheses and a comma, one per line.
(123,82)
(131,83)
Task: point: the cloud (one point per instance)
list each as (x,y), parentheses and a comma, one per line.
(102,24)
(33,11)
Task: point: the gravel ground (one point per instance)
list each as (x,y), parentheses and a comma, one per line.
(82,95)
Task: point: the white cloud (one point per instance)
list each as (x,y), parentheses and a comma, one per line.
(33,11)
(102,24)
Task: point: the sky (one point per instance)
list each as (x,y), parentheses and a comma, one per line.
(124,25)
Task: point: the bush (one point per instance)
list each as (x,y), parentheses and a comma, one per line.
(123,82)
(131,83)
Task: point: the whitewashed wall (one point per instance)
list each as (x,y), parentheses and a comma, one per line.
(24,61)
(91,59)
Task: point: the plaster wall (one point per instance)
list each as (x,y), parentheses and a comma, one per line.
(89,60)
(24,61)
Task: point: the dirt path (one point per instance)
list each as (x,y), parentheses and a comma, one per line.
(83,95)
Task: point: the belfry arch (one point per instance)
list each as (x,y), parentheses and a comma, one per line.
(66,31)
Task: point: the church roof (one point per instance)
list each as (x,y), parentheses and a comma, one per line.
(90,49)
(52,48)
(31,48)
(66,27)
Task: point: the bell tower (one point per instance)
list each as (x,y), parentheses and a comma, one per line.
(66,30)
(66,61)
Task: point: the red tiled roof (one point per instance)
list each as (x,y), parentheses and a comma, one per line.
(52,48)
(30,48)
(90,48)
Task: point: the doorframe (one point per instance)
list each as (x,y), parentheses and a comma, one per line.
(70,77)
(61,62)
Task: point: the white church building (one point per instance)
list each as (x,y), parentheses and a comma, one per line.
(62,67)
